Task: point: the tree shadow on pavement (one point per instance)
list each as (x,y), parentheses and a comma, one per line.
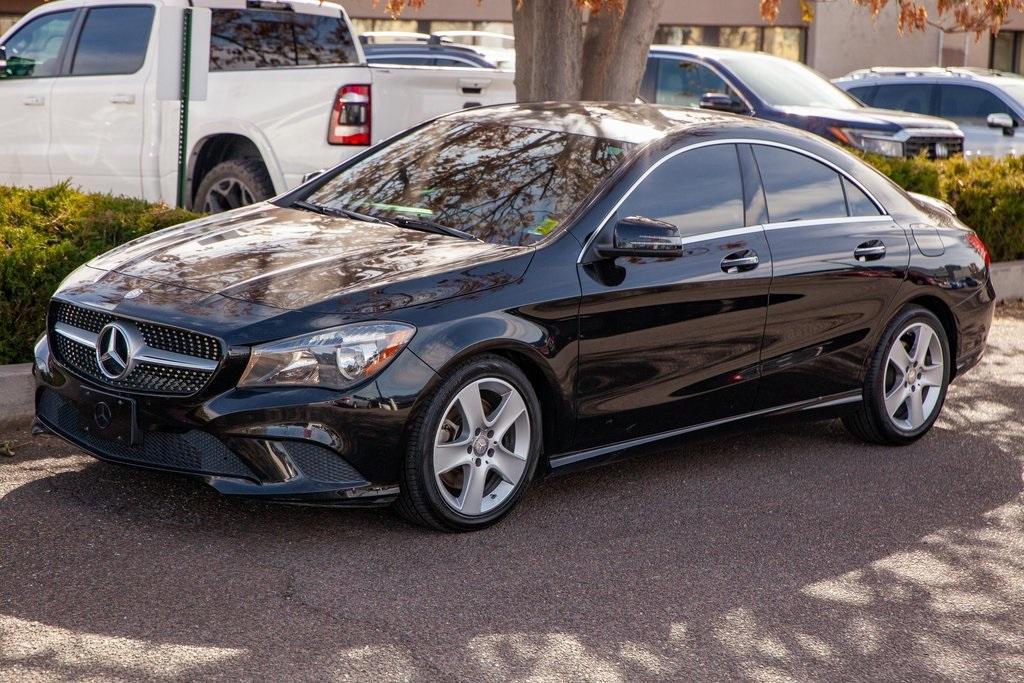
(784,550)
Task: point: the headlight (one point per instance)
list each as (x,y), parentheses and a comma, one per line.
(871,141)
(337,358)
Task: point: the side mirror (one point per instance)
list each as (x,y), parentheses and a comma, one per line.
(1001,120)
(718,102)
(640,236)
(3,60)
(312,174)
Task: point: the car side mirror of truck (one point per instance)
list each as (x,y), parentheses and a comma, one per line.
(714,101)
(646,237)
(1001,120)
(3,61)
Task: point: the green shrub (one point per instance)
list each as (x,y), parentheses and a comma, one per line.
(47,233)
(987,194)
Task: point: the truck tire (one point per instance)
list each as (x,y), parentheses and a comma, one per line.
(233,183)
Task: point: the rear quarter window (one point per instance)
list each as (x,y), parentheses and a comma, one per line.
(242,40)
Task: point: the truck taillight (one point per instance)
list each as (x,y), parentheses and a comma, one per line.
(350,116)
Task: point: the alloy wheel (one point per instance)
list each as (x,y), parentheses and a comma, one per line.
(481,447)
(229,193)
(913,377)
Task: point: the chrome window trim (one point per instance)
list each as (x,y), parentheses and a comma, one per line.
(769,226)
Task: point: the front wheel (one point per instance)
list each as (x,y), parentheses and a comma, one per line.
(906,382)
(473,448)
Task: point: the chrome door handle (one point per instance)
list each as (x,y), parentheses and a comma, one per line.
(869,251)
(740,261)
(34,101)
(122,99)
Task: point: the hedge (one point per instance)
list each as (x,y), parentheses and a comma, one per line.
(47,233)
(987,194)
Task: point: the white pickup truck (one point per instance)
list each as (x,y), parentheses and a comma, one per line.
(284,89)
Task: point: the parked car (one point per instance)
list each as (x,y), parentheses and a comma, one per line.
(512,290)
(987,105)
(445,48)
(780,90)
(289,92)
(419,49)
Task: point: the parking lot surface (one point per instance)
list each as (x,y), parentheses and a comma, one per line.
(783,551)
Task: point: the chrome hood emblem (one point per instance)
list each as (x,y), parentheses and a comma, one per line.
(116,347)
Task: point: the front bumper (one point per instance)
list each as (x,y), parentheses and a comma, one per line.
(303,446)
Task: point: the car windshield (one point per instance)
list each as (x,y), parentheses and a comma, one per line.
(783,83)
(499,183)
(1014,90)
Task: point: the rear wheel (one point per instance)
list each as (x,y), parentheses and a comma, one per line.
(473,449)
(233,183)
(906,382)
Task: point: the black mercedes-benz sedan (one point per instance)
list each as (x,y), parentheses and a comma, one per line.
(513,290)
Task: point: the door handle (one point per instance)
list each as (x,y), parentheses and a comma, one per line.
(122,99)
(740,261)
(34,101)
(869,251)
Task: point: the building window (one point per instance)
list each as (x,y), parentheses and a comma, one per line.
(1006,51)
(783,41)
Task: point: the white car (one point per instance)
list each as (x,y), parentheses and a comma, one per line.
(987,105)
(288,91)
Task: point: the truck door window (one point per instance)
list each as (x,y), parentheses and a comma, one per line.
(113,41)
(242,40)
(34,50)
(970,106)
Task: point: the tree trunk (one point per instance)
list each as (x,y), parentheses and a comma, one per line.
(549,49)
(599,44)
(623,56)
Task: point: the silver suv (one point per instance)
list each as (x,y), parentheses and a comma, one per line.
(987,105)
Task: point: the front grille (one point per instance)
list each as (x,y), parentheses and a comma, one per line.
(194,452)
(147,377)
(926,145)
(320,463)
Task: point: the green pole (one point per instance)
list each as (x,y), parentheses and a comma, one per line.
(186,71)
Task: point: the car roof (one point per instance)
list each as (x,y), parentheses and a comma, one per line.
(707,52)
(900,73)
(631,123)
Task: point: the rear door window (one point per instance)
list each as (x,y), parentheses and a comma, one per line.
(243,40)
(113,41)
(912,97)
(34,51)
(970,106)
(697,191)
(797,187)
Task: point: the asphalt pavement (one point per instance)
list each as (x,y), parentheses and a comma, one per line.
(782,551)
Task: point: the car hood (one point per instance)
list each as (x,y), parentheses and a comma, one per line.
(870,117)
(291,259)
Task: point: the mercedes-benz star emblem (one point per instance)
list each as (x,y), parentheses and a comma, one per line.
(101,415)
(114,350)
(133,294)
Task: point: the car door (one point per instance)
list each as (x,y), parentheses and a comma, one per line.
(681,82)
(98,109)
(969,106)
(34,54)
(838,261)
(673,342)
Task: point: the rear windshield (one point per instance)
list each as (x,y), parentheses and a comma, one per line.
(241,40)
(502,184)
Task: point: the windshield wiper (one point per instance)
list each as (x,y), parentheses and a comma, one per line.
(335,211)
(430,226)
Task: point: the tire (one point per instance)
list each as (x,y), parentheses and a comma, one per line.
(458,474)
(904,387)
(233,183)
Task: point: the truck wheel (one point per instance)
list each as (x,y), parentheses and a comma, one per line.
(233,183)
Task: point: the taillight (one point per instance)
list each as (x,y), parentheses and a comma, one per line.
(350,116)
(979,246)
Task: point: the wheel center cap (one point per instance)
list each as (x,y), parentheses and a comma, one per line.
(911,376)
(480,445)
